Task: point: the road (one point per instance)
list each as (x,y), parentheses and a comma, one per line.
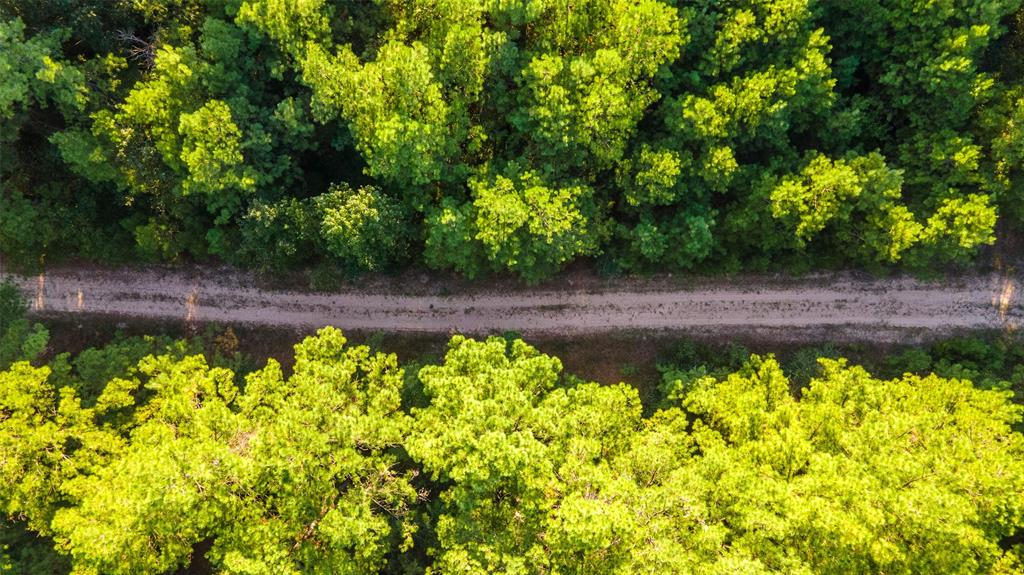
(842,306)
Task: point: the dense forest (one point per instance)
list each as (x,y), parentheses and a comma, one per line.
(507,137)
(156,455)
(518,135)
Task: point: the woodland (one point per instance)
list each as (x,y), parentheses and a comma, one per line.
(485,138)
(517,136)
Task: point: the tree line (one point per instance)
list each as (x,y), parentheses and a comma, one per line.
(483,135)
(149,456)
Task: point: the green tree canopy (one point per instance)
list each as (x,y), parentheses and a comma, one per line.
(144,457)
(643,134)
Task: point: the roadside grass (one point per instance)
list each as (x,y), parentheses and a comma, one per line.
(633,357)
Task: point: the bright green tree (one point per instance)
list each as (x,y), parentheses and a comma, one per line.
(859,474)
(290,475)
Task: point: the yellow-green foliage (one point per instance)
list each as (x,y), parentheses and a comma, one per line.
(494,461)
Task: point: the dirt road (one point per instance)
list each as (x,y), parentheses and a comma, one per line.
(843,307)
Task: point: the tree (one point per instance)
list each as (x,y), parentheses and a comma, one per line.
(365,229)
(141,456)
(34,74)
(702,135)
(859,474)
(19,339)
(289,475)
(394,105)
(524,464)
(532,228)
(742,475)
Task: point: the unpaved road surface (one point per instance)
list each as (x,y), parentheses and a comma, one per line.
(842,307)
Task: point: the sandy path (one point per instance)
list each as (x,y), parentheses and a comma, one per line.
(847,308)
